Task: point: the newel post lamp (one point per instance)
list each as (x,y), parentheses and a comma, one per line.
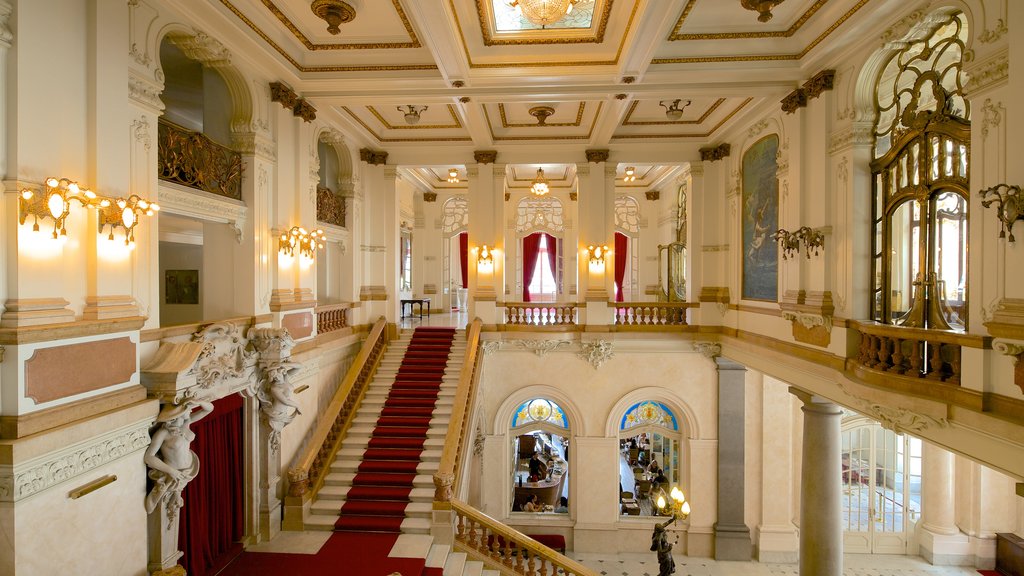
(679,508)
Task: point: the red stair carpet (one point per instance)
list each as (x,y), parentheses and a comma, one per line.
(380,490)
(344,554)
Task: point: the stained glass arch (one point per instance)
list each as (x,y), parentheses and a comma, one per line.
(539,411)
(649,413)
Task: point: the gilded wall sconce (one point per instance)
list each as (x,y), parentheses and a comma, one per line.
(791,242)
(300,240)
(125,213)
(1009,206)
(597,254)
(55,202)
(486,257)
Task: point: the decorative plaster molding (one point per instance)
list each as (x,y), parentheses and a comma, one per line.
(820,82)
(203,205)
(373,157)
(757,128)
(224,360)
(653,195)
(203,48)
(485,156)
(17,484)
(714,248)
(709,350)
(275,387)
(541,347)
(596,353)
(490,346)
(597,155)
(898,30)
(430,196)
(303,109)
(478,442)
(990,35)
(1015,351)
(794,100)
(145,92)
(284,95)
(140,129)
(987,73)
(992,115)
(858,134)
(896,419)
(255,144)
(808,320)
(371,248)
(714,153)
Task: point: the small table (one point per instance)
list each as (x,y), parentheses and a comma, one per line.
(411,301)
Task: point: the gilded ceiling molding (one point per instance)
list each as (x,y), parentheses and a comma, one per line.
(794,100)
(389,126)
(489,40)
(597,155)
(373,157)
(676,36)
(704,135)
(485,156)
(766,57)
(490,127)
(703,117)
(820,82)
(715,153)
(382,139)
(309,45)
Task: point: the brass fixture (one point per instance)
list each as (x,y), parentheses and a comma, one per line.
(544,12)
(790,242)
(630,174)
(1009,206)
(334,12)
(541,113)
(303,241)
(597,254)
(124,213)
(762,7)
(540,185)
(412,113)
(673,110)
(453,175)
(54,202)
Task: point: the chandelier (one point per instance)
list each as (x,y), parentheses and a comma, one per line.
(762,7)
(540,185)
(673,110)
(453,175)
(630,174)
(412,113)
(544,12)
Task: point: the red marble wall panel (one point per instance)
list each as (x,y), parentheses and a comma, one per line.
(62,371)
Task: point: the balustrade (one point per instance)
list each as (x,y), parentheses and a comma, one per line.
(527,314)
(650,313)
(192,159)
(332,317)
(914,352)
(330,208)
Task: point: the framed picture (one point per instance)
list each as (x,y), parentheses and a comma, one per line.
(181,287)
(760,220)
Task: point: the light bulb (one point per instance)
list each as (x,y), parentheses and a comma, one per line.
(104,203)
(52,182)
(154,207)
(128,218)
(686,508)
(73,187)
(143,204)
(121,203)
(661,501)
(56,204)
(89,194)
(27,194)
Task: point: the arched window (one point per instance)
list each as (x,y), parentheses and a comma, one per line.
(330,207)
(627,253)
(540,448)
(921,173)
(455,236)
(649,456)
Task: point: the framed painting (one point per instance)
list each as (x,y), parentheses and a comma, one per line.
(760,220)
(181,287)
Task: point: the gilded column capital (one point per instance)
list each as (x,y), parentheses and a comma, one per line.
(485,156)
(598,155)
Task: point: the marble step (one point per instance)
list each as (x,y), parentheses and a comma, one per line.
(344,479)
(424,467)
(455,564)
(473,568)
(326,522)
(331,491)
(437,555)
(361,441)
(333,508)
(357,455)
(371,418)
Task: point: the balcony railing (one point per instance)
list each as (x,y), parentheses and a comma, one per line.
(650,314)
(192,159)
(332,317)
(540,314)
(330,208)
(914,352)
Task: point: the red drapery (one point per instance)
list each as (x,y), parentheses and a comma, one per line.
(210,529)
(621,246)
(464,257)
(552,245)
(531,251)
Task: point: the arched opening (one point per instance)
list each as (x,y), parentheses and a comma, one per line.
(455,248)
(627,249)
(540,454)
(650,457)
(540,225)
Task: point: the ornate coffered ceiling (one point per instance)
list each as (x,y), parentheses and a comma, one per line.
(602,74)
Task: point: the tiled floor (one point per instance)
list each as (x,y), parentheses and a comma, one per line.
(854,565)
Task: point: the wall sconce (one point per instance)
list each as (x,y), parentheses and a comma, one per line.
(485,259)
(303,241)
(1010,206)
(54,202)
(790,242)
(597,254)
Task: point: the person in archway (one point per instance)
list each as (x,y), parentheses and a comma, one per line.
(533,504)
(538,469)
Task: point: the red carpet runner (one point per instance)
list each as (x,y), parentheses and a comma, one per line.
(380,490)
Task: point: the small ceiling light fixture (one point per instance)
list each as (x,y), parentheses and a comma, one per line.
(630,174)
(334,12)
(544,12)
(541,113)
(412,113)
(540,185)
(762,7)
(453,175)
(673,110)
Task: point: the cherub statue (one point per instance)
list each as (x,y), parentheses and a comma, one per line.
(276,398)
(171,463)
(661,545)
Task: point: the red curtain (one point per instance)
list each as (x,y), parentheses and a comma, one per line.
(621,246)
(552,244)
(210,529)
(464,257)
(531,251)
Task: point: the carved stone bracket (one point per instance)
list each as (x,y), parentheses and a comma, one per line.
(430,196)
(303,109)
(896,419)
(820,82)
(1015,351)
(490,346)
(443,487)
(653,194)
(810,314)
(282,94)
(597,155)
(573,196)
(715,153)
(596,353)
(485,156)
(373,157)
(709,350)
(275,388)
(541,347)
(794,100)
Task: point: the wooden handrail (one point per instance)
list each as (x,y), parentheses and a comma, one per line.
(444,478)
(307,475)
(500,546)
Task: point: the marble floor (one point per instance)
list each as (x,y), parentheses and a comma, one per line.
(445,320)
(854,565)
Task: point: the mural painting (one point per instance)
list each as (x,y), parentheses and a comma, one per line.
(760,220)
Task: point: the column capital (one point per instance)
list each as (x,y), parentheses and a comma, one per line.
(610,170)
(598,155)
(583,170)
(391,172)
(485,156)
(373,157)
(815,403)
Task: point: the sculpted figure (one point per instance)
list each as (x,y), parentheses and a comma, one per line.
(661,545)
(171,463)
(276,399)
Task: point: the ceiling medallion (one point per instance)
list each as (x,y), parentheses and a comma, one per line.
(762,7)
(334,12)
(541,113)
(412,113)
(540,185)
(544,12)
(673,111)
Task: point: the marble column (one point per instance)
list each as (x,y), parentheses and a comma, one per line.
(732,536)
(940,538)
(821,529)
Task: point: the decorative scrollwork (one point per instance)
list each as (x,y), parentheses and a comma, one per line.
(192,159)
(1009,206)
(596,353)
(329,207)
